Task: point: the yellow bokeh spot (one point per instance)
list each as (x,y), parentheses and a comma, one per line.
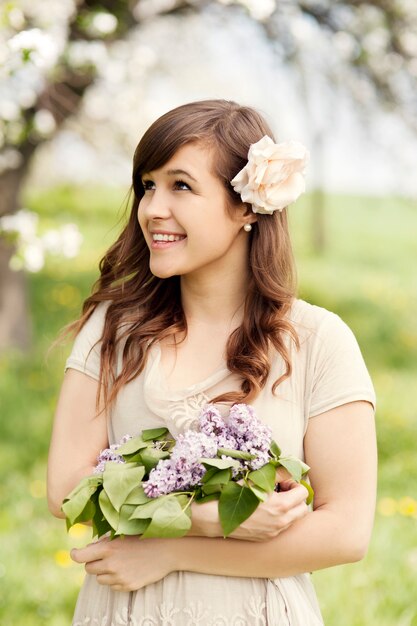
(37,489)
(387,506)
(78,530)
(63,559)
(36,380)
(66,295)
(407,506)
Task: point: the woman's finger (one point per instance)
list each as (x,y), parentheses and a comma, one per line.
(92,552)
(287,485)
(105,579)
(96,567)
(282,474)
(292,493)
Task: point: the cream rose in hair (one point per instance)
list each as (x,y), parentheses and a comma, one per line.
(273,177)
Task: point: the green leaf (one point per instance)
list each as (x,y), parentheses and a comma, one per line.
(132,446)
(150,457)
(146,511)
(213,476)
(310,491)
(109,512)
(169,520)
(275,463)
(89,481)
(294,466)
(207,498)
(133,458)
(210,489)
(137,496)
(119,479)
(259,493)
(100,524)
(236,504)
(264,477)
(87,514)
(153,433)
(236,454)
(275,449)
(128,526)
(75,503)
(220,463)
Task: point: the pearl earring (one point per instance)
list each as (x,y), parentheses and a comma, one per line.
(247,228)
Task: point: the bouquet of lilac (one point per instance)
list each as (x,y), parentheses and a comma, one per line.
(145,485)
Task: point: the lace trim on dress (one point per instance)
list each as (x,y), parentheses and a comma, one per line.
(178,409)
(194,614)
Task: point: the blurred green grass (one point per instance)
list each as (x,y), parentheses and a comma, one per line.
(366,274)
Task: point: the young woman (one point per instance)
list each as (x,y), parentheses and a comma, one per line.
(196,303)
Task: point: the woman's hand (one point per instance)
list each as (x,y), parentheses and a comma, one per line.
(269,519)
(128,563)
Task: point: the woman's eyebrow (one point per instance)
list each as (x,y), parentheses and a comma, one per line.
(180,172)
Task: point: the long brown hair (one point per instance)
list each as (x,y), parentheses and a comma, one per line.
(144,309)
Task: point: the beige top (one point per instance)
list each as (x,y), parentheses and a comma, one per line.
(328,371)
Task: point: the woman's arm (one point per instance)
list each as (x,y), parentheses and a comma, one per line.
(340,448)
(78,435)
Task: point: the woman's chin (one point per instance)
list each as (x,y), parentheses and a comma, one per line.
(163,272)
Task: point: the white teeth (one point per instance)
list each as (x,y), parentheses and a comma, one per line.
(161,237)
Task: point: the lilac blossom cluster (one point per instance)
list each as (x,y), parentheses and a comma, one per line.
(250,433)
(110,454)
(183,470)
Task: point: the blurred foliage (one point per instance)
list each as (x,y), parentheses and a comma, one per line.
(366,275)
(53,51)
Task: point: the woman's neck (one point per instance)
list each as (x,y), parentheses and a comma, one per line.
(213,299)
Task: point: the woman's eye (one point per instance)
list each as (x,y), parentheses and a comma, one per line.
(180,184)
(149,185)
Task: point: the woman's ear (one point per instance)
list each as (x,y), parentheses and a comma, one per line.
(249,216)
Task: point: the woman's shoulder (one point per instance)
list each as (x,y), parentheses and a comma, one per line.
(93,327)
(85,353)
(317,327)
(330,359)
(310,317)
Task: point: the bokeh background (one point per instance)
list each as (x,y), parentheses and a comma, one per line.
(80,81)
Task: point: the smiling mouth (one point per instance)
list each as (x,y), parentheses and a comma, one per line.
(156,237)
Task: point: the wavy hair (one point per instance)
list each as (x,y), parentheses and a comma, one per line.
(144,309)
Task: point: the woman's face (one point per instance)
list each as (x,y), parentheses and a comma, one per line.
(184,219)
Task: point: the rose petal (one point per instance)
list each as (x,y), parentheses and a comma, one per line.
(275,173)
(259,174)
(239,180)
(282,195)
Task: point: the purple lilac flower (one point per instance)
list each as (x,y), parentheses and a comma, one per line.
(162,479)
(251,434)
(192,445)
(213,425)
(182,471)
(110,454)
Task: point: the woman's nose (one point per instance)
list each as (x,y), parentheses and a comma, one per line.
(156,204)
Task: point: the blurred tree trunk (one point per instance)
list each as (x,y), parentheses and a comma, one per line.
(62,100)
(15,327)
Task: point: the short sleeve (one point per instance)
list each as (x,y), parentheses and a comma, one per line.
(85,353)
(338,370)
